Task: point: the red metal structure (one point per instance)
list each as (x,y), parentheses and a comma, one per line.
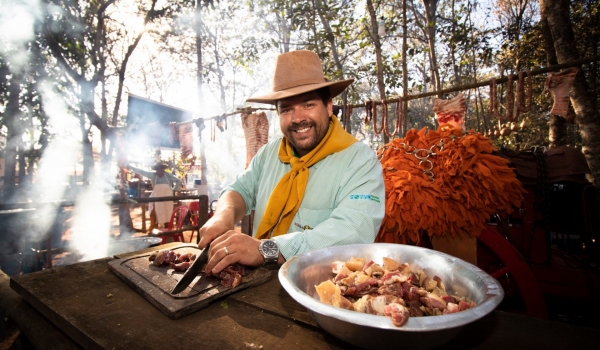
(510,264)
(174,230)
(549,248)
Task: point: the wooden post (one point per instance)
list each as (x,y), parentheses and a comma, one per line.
(202,213)
(463,247)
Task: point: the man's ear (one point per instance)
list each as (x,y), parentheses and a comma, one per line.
(330,107)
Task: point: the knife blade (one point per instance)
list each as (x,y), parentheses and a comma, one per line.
(193,271)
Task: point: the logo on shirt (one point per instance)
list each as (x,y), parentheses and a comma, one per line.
(365,196)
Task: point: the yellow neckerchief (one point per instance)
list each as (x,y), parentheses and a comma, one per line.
(288,193)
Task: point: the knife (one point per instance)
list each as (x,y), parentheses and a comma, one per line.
(191,273)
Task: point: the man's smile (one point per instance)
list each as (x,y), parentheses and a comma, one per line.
(303,130)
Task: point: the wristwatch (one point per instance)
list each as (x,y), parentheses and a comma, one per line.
(269,250)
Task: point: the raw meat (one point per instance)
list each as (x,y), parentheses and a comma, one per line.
(392,290)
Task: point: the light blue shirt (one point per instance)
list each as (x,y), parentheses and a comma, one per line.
(344,201)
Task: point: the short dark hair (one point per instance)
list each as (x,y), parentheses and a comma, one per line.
(323,93)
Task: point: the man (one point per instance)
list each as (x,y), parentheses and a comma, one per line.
(315,187)
(163,185)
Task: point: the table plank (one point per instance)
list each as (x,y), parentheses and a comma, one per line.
(40,333)
(97,310)
(76,299)
(499,330)
(504,330)
(278,303)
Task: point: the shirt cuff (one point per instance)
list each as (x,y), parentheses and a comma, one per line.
(289,244)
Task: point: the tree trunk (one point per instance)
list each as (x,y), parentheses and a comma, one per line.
(558,131)
(286,30)
(430,16)
(336,58)
(22,166)
(87,100)
(12,115)
(128,54)
(379,59)
(557,124)
(107,157)
(404,126)
(200,82)
(452,45)
(584,103)
(220,74)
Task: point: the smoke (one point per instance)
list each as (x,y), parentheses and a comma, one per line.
(16,29)
(91,224)
(90,229)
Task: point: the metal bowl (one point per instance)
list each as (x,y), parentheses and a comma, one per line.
(300,274)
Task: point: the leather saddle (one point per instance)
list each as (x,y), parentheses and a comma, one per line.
(562,164)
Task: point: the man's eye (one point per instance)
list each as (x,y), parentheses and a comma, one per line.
(309,104)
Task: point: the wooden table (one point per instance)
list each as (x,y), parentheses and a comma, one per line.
(88,306)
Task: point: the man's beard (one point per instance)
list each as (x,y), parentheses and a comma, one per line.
(305,144)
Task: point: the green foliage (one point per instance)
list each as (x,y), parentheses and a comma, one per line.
(473,44)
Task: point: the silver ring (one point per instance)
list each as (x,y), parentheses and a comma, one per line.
(226,251)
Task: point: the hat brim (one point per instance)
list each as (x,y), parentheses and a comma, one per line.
(160,166)
(335,89)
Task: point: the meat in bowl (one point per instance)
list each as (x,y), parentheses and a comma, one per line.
(391,289)
(301,273)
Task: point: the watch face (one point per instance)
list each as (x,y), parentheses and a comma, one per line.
(270,249)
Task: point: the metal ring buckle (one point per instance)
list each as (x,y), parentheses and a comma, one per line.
(427,161)
(430,174)
(420,151)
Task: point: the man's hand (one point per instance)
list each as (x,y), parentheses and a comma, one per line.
(230,209)
(213,228)
(230,248)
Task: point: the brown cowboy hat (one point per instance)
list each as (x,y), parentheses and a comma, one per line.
(298,72)
(159,165)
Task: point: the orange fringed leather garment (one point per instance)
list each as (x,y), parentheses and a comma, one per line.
(465,185)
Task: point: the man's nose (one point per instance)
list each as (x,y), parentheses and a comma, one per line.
(298,115)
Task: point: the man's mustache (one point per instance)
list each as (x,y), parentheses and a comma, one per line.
(298,126)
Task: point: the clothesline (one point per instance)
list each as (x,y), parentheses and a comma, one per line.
(240,110)
(483,83)
(500,80)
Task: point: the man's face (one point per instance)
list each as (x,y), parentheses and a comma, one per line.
(304,120)
(160,172)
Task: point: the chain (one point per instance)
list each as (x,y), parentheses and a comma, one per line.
(423,154)
(542,201)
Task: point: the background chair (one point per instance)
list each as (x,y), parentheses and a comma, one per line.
(175,229)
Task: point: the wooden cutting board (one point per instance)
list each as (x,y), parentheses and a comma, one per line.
(155,283)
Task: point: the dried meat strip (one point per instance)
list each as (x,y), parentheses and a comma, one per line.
(256,132)
(560,85)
